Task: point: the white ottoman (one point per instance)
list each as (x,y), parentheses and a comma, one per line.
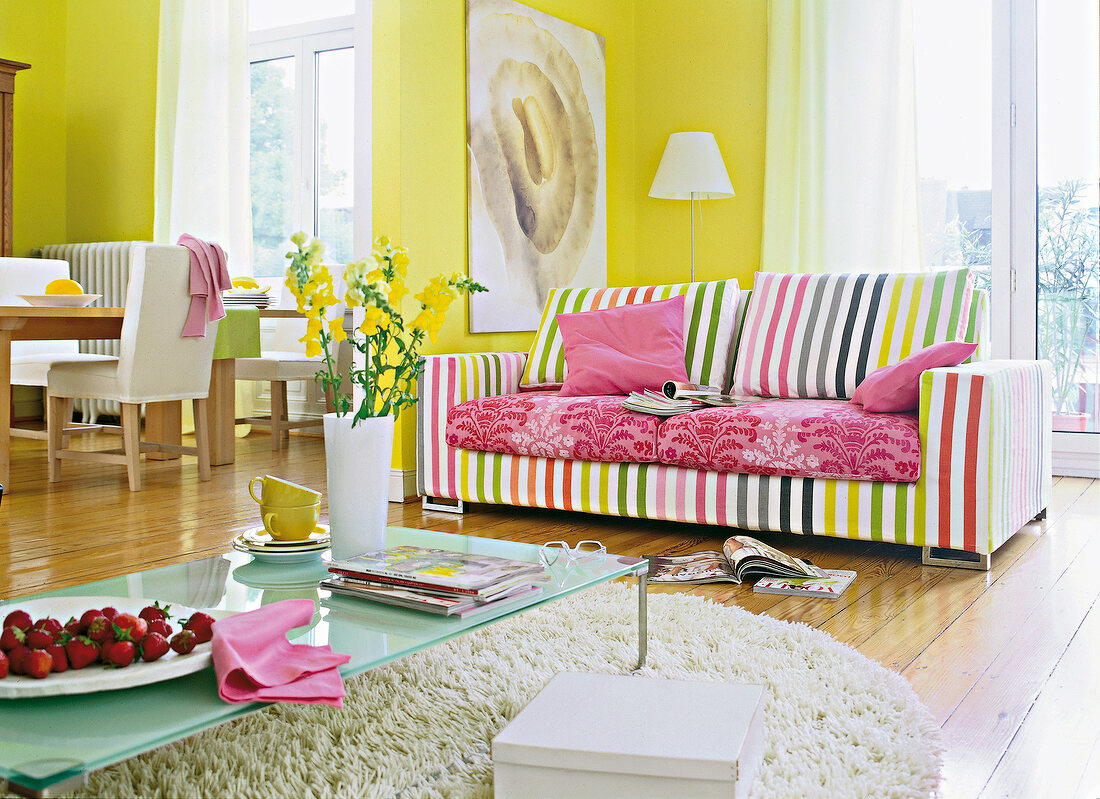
(602,736)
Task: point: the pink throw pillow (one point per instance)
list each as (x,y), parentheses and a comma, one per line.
(896,388)
(624,349)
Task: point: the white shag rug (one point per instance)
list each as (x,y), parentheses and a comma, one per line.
(837,724)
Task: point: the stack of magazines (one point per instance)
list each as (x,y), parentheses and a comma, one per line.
(436,580)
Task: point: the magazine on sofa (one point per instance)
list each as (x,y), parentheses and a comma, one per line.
(741,557)
(829,587)
(685,400)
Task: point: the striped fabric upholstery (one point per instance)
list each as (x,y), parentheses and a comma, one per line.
(708,327)
(984,437)
(977,330)
(818,336)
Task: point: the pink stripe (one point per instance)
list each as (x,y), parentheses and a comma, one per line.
(721,516)
(701,497)
(436,438)
(681,495)
(788,339)
(756,311)
(769,340)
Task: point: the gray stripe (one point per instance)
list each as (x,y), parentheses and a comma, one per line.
(824,359)
(743,501)
(763,489)
(814,298)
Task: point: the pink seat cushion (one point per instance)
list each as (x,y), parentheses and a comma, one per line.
(801,438)
(624,349)
(895,388)
(545,424)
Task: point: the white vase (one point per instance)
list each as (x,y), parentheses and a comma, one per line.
(357,461)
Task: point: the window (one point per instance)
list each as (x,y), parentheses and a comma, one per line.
(302,112)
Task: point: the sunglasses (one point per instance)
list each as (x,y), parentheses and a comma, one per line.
(555,551)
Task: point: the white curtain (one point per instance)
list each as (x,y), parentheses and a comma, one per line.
(841,192)
(202,178)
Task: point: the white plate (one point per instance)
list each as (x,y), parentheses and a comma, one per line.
(98,677)
(61,300)
(259,537)
(297,556)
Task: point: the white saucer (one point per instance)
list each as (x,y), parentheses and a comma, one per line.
(258,537)
(281,556)
(61,300)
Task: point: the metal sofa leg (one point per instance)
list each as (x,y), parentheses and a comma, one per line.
(1041,516)
(444,505)
(955,558)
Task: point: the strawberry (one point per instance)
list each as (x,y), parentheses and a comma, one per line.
(87,617)
(100,629)
(37,664)
(15,658)
(39,639)
(129,627)
(200,624)
(162,627)
(11,637)
(48,624)
(153,647)
(72,627)
(81,651)
(109,612)
(121,654)
(154,612)
(4,665)
(20,619)
(57,655)
(183,642)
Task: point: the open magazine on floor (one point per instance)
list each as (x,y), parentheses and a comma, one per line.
(741,557)
(672,400)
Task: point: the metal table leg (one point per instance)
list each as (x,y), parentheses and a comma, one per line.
(642,621)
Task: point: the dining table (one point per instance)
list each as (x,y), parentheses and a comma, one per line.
(162,419)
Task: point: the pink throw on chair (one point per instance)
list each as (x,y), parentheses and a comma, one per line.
(209,278)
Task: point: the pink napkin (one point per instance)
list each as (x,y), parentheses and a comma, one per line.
(254,662)
(209,278)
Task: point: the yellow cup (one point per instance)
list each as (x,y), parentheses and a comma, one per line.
(289,523)
(276,492)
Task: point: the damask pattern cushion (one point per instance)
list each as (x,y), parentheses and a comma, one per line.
(708,328)
(819,336)
(543,424)
(800,438)
(624,349)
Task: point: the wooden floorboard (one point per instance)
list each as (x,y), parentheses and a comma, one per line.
(1007,660)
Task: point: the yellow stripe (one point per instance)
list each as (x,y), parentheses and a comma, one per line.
(536,345)
(854,489)
(911,322)
(891,319)
(605,474)
(830,507)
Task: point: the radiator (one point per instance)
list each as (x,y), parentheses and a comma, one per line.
(101,268)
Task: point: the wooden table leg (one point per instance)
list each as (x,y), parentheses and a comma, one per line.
(221,411)
(5,410)
(163,424)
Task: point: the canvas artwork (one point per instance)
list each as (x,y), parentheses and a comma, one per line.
(536,147)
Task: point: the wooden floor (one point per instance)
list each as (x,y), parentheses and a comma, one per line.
(1008,661)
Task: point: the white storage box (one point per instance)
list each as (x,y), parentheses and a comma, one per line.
(602,736)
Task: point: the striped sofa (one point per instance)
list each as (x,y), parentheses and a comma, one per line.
(984,426)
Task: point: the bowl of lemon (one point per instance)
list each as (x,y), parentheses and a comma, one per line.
(62,293)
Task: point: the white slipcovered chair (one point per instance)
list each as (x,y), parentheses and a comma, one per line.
(30,360)
(155,364)
(285,360)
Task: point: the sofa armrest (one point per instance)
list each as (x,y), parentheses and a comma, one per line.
(986,452)
(447,381)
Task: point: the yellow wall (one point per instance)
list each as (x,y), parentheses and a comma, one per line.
(670,66)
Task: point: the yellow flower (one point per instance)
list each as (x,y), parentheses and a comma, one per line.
(397,292)
(382,241)
(299,238)
(422,320)
(373,319)
(313,348)
(336,330)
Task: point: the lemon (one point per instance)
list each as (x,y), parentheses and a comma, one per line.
(245,283)
(64,286)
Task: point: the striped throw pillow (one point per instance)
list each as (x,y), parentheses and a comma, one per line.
(818,336)
(708,327)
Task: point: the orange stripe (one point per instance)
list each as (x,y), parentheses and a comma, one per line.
(513,481)
(532,497)
(567,485)
(549,483)
(946,440)
(970,468)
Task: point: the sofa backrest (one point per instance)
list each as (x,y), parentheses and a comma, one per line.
(818,336)
(709,312)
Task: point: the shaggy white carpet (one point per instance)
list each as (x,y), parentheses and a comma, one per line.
(837,724)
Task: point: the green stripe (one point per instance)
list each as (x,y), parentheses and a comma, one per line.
(901,511)
(479,476)
(891,324)
(921,499)
(550,325)
(956,305)
(692,335)
(934,308)
(639,493)
(621,507)
(876,510)
(713,320)
(498,465)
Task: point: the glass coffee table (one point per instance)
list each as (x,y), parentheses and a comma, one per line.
(50,744)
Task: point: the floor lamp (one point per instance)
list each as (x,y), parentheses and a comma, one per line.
(692,169)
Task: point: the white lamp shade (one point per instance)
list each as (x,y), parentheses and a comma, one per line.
(691,168)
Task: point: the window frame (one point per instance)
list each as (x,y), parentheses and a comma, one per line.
(303,42)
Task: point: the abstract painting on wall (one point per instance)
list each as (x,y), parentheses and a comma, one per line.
(537,173)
